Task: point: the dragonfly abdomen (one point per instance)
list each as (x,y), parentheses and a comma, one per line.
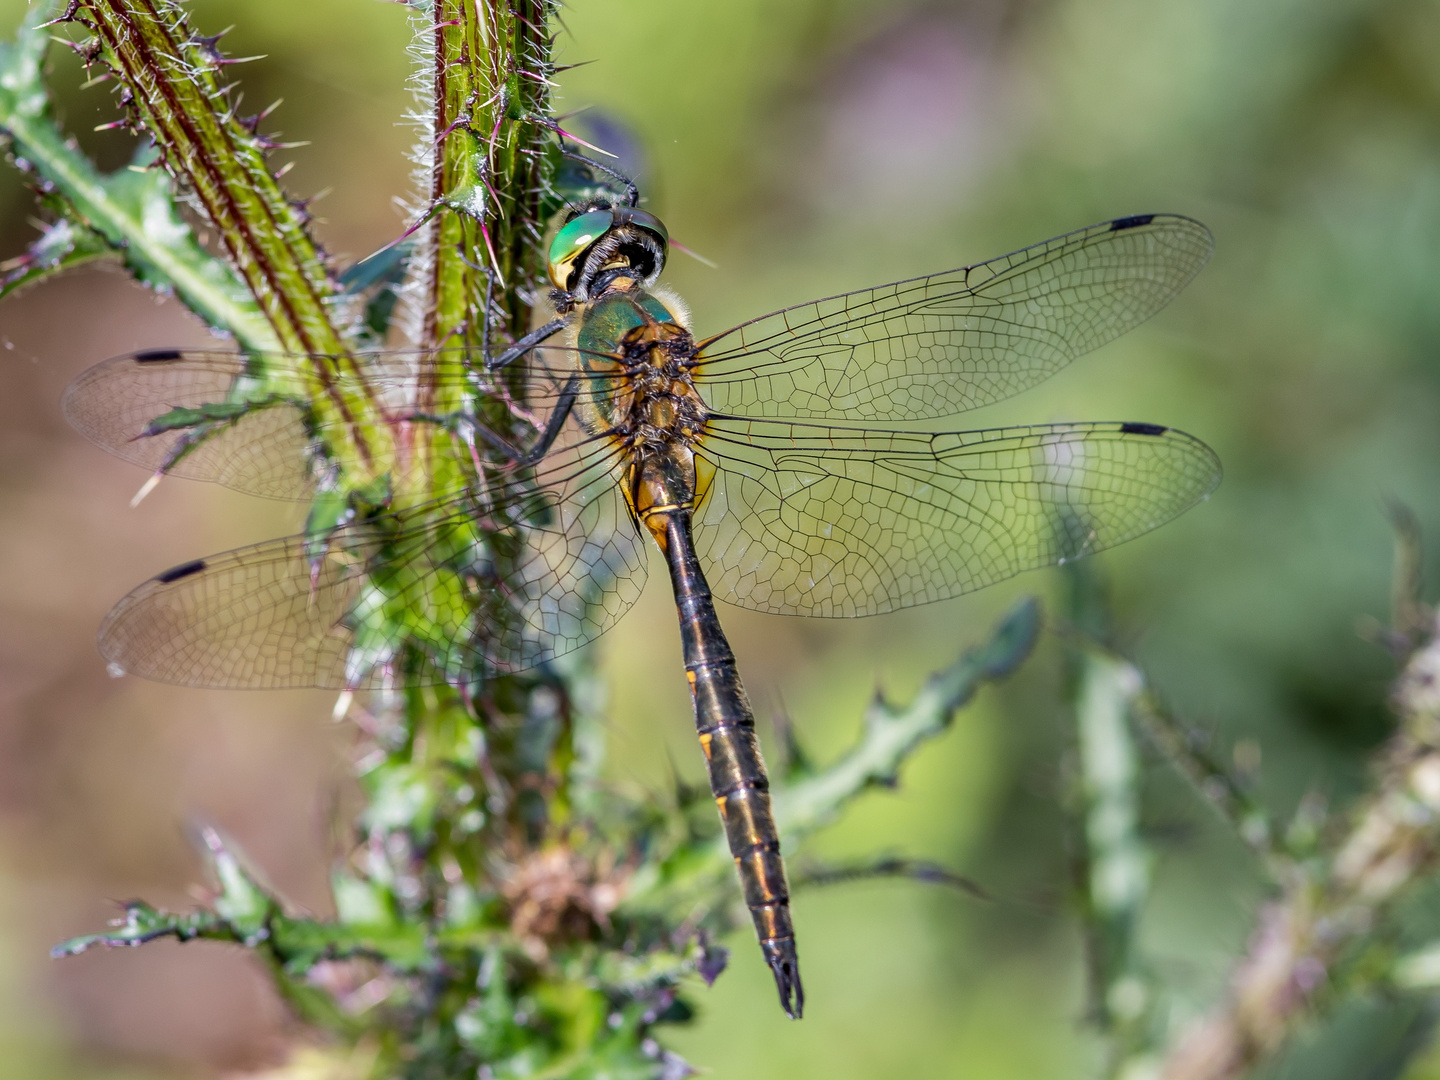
(726,726)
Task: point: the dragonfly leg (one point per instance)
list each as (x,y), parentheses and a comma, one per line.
(632,193)
(512,453)
(529,341)
(524,345)
(553,425)
(487,309)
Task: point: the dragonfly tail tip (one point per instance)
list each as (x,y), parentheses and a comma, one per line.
(785,966)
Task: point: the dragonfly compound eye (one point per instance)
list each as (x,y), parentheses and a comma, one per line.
(601,246)
(644,241)
(568,249)
(641,220)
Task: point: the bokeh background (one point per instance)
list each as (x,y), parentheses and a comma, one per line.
(807,148)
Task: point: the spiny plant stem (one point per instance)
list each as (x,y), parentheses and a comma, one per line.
(486,160)
(168,75)
(488,176)
(170,78)
(478,254)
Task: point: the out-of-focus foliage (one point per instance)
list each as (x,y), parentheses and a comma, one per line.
(809,147)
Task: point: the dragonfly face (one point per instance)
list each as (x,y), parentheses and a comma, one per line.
(745,456)
(596,243)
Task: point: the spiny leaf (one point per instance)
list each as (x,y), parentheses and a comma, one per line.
(142,923)
(131,211)
(63,245)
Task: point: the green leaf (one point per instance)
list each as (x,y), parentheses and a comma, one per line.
(63,245)
(132,211)
(242,901)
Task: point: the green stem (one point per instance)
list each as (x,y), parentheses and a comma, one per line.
(488,174)
(170,74)
(1117,860)
(477,263)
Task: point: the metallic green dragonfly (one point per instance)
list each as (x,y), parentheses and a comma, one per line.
(740,455)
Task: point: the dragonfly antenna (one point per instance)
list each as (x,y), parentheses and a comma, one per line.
(694,254)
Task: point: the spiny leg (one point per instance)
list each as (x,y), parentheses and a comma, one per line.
(632,192)
(524,345)
(512,453)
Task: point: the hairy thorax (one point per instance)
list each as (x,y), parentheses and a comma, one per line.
(636,358)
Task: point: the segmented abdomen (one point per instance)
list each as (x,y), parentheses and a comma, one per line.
(726,727)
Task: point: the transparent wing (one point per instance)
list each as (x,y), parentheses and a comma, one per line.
(258,431)
(823,521)
(502,580)
(939,345)
(263,452)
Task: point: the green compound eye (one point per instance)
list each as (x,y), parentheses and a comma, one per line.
(644,220)
(572,241)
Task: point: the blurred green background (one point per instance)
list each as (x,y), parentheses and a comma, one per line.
(807,147)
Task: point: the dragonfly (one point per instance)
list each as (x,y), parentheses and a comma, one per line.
(745,457)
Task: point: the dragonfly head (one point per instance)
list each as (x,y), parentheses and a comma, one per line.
(608,238)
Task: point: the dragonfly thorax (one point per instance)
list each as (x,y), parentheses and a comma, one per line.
(658,418)
(636,359)
(662,406)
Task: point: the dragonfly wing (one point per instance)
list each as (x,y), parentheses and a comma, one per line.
(439,593)
(249,618)
(939,345)
(258,436)
(262,450)
(841,522)
(582,571)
